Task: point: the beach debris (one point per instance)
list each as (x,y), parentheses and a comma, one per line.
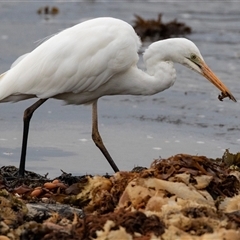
(232,160)
(155,29)
(42,211)
(47,10)
(181,197)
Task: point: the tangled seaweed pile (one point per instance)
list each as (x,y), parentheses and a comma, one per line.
(154,30)
(182,197)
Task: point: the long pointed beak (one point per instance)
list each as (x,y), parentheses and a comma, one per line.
(208,74)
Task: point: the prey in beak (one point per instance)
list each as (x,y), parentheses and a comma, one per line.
(209,74)
(201,67)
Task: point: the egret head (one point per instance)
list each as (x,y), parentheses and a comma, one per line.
(190,56)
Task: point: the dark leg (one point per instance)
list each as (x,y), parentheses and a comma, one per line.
(97,138)
(26,121)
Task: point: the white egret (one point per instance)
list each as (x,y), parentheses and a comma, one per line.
(96,58)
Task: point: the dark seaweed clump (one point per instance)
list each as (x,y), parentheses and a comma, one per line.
(155,29)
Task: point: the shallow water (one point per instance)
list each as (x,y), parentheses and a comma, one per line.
(188,118)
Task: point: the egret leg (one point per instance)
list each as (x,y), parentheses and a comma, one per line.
(97,138)
(26,122)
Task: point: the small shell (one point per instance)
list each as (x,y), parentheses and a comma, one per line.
(36,192)
(50,185)
(22,189)
(56,181)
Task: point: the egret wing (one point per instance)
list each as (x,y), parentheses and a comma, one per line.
(78,59)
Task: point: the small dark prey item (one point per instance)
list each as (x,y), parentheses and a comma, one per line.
(222,96)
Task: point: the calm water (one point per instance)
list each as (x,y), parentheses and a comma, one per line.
(188,118)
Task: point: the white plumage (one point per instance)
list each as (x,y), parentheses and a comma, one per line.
(77,60)
(96,58)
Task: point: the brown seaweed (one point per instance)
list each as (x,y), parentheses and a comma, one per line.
(184,196)
(155,29)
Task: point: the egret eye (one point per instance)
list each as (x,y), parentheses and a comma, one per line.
(193,57)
